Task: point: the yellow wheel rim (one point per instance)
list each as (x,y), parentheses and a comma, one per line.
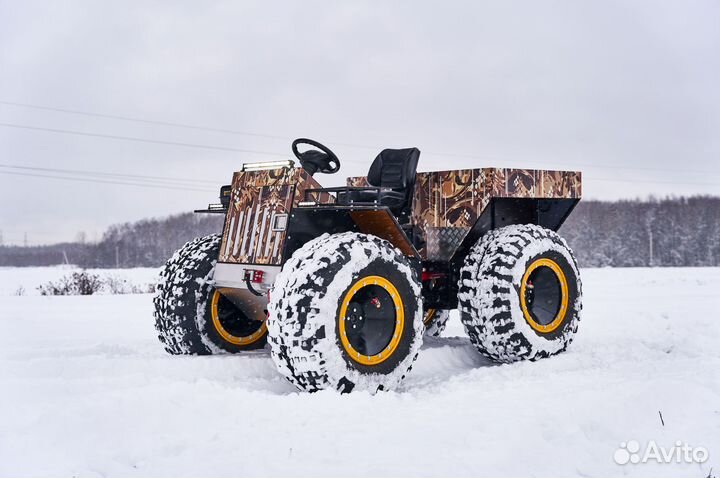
(227,336)
(429,316)
(387,352)
(564,296)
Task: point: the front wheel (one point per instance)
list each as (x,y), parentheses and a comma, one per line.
(344,314)
(520,294)
(191,316)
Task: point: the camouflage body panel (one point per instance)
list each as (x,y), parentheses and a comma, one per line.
(256,199)
(357,182)
(446,204)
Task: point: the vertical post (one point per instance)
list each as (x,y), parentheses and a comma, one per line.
(117,256)
(648,226)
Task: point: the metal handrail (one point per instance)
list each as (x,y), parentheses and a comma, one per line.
(334,192)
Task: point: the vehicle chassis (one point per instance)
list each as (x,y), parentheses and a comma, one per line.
(271,213)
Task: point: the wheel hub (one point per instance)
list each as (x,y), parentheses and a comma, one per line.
(232,324)
(355,319)
(371,320)
(544,295)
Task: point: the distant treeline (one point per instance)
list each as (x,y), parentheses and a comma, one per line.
(145,243)
(654,232)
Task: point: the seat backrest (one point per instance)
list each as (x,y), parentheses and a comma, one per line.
(394,168)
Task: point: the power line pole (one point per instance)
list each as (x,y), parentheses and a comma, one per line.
(25,240)
(649,218)
(117,256)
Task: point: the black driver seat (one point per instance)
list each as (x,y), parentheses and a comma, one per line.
(394,171)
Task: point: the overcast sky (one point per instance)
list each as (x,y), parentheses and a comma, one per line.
(626,91)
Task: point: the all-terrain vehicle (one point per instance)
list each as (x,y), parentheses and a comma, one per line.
(342,283)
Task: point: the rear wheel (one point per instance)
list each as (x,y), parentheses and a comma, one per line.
(520,294)
(435,322)
(191,316)
(344,315)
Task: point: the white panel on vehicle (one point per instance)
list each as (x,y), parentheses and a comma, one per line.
(253,231)
(279,222)
(276,245)
(236,243)
(259,252)
(229,239)
(269,237)
(246,231)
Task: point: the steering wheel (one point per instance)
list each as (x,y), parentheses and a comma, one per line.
(314,161)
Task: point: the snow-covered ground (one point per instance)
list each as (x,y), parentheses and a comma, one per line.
(86,390)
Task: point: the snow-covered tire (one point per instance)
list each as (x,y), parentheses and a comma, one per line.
(496,294)
(183,302)
(435,322)
(325,278)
